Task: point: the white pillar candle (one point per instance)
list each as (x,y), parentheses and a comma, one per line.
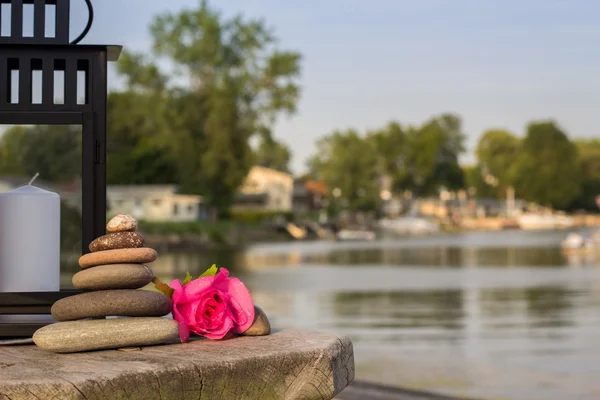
(29,240)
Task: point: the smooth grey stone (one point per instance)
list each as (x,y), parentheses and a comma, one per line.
(261,325)
(114,333)
(113,276)
(125,303)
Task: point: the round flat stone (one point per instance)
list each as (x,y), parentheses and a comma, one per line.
(113,276)
(117,240)
(142,255)
(113,333)
(261,325)
(122,223)
(125,303)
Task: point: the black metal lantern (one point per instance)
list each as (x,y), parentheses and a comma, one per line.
(83,103)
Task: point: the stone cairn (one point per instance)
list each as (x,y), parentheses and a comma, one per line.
(111,273)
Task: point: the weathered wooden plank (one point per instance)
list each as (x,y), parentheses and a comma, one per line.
(284,365)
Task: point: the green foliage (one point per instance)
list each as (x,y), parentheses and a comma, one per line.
(238,83)
(212,271)
(138,150)
(70,229)
(433,159)
(181,228)
(474,178)
(272,153)
(255,217)
(347,163)
(392,147)
(497,152)
(52,150)
(589,161)
(548,170)
(422,159)
(188,278)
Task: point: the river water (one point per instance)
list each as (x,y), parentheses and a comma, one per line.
(494,315)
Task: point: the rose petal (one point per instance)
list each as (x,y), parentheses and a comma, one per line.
(178,294)
(221,330)
(240,300)
(184,331)
(197,287)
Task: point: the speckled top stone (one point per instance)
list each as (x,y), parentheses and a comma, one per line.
(113,276)
(122,303)
(117,240)
(122,223)
(141,255)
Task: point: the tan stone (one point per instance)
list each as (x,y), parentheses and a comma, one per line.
(126,303)
(261,325)
(113,276)
(114,333)
(142,255)
(285,365)
(122,223)
(117,240)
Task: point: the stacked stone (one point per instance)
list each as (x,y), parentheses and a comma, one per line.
(112,273)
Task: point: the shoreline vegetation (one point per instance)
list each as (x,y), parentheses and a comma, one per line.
(240,234)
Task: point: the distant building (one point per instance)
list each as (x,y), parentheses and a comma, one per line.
(309,195)
(154,203)
(265,189)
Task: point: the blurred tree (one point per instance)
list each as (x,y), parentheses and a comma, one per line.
(422,159)
(547,169)
(347,163)
(392,150)
(272,153)
(474,178)
(497,152)
(229,82)
(138,152)
(52,150)
(433,156)
(589,161)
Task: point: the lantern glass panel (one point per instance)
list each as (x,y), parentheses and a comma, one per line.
(54,151)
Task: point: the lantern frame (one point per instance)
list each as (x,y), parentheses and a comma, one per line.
(21,55)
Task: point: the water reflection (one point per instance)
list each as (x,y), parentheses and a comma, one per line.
(444,257)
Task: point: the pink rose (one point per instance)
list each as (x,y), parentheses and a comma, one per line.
(211,306)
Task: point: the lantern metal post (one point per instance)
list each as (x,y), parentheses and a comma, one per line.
(84,85)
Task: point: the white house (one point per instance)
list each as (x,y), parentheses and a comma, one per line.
(153,203)
(266,189)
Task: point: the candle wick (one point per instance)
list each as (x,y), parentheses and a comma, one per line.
(34,177)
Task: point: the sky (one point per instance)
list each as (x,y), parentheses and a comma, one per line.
(496,63)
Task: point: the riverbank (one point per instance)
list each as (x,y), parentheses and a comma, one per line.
(204,234)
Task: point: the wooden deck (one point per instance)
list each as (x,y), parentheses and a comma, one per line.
(371,391)
(285,365)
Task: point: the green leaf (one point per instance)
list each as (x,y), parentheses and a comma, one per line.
(188,278)
(212,271)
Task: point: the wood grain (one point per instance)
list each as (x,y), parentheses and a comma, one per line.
(285,365)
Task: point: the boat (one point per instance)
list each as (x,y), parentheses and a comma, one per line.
(576,243)
(355,235)
(408,226)
(536,222)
